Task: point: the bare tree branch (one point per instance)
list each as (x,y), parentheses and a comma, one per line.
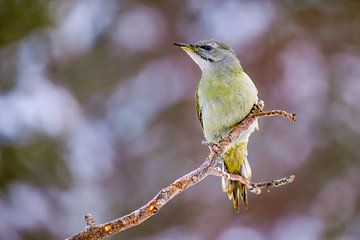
(95,231)
(253,187)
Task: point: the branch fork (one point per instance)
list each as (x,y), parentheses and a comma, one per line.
(209,167)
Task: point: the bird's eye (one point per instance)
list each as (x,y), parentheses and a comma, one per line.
(206,47)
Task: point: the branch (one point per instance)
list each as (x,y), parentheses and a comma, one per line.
(95,231)
(253,187)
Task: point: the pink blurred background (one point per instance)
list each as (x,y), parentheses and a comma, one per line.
(97,114)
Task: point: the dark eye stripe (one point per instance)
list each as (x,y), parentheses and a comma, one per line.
(206,47)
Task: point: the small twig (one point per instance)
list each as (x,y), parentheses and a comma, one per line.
(275,183)
(290,116)
(220,173)
(95,231)
(253,187)
(90,221)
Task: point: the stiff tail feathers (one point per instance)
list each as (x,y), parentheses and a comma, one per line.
(235,190)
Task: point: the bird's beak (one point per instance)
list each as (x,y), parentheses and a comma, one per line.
(186,47)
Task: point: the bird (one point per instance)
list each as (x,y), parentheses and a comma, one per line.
(225,95)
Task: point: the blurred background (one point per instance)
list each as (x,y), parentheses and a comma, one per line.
(97,114)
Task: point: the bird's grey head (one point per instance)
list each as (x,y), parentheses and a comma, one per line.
(210,54)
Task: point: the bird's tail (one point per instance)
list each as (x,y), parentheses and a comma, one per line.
(236,190)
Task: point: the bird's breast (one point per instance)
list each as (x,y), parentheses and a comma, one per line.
(224,103)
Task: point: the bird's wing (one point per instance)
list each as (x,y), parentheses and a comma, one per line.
(198,108)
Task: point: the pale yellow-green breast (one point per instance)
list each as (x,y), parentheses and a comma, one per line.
(224,99)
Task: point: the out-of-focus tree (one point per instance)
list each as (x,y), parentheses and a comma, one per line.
(92,91)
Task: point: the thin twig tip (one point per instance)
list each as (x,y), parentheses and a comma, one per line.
(292,178)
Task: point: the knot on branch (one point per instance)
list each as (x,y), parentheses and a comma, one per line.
(90,220)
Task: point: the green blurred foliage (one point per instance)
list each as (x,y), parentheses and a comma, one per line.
(169,145)
(19,18)
(37,162)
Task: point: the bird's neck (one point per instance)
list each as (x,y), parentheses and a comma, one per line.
(223,70)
